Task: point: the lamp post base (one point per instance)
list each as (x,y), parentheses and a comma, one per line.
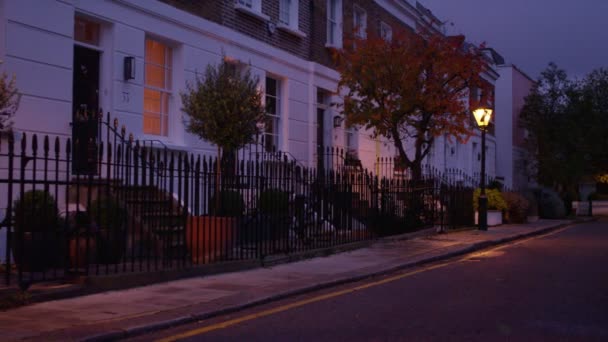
(483,212)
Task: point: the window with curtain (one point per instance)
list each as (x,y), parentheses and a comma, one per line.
(157,88)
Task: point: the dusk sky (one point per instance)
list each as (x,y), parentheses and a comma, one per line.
(532,33)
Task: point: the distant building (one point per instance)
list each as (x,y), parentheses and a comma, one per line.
(512,88)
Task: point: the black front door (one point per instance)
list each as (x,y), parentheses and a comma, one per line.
(85,103)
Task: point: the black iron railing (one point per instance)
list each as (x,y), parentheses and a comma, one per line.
(152,209)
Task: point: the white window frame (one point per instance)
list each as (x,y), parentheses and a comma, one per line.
(275,135)
(251,7)
(359,14)
(350,134)
(288,13)
(386,31)
(165,92)
(335,39)
(291,25)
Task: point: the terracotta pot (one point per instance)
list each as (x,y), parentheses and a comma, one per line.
(209,238)
(78,252)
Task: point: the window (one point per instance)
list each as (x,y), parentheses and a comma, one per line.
(273,114)
(334,24)
(157,89)
(359,22)
(349,139)
(86,31)
(246,3)
(386,32)
(285,12)
(251,7)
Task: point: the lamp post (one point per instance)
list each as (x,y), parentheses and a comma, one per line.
(483,116)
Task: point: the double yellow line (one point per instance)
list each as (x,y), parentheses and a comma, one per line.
(226,324)
(264,313)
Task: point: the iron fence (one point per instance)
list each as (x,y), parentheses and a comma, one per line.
(104,203)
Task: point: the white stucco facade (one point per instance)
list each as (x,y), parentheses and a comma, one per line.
(39,50)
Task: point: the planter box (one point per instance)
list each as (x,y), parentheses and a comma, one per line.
(209,238)
(494,218)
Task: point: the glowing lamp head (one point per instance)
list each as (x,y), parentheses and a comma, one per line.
(483,116)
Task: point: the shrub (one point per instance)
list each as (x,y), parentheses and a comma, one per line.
(517,210)
(495,199)
(274,202)
(36,211)
(108,213)
(551,205)
(40,245)
(79,223)
(229,204)
(531,197)
(111,218)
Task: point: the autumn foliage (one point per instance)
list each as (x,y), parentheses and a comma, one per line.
(411,89)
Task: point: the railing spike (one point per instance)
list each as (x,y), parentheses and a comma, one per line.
(46,145)
(23,142)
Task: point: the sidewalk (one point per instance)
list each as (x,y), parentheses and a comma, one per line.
(130,312)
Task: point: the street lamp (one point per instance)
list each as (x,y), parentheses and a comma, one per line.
(483,116)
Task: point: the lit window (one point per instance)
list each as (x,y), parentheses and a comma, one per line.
(273,114)
(359,22)
(86,31)
(334,24)
(386,32)
(157,90)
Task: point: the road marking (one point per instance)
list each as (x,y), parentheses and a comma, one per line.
(264,313)
(298,304)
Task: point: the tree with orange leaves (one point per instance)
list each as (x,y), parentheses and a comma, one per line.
(411,89)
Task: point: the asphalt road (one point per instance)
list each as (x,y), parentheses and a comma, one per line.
(554,288)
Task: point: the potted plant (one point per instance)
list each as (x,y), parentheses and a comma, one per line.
(36,242)
(496,205)
(208,237)
(224,107)
(83,239)
(111,220)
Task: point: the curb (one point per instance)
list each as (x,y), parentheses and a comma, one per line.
(156,326)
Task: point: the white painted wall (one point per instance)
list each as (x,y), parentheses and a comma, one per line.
(39,50)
